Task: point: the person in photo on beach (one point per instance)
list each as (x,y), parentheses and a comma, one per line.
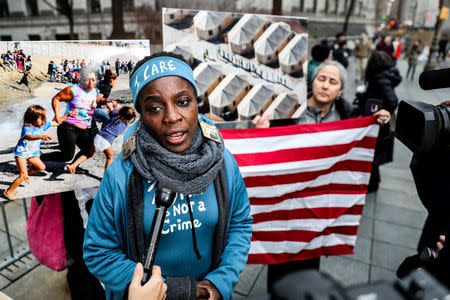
(28,147)
(120,117)
(76,130)
(24,80)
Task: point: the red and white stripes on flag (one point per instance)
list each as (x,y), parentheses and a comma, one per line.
(307,186)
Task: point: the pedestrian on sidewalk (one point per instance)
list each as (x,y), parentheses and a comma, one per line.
(381,78)
(397,48)
(443,48)
(386,45)
(413,58)
(319,53)
(339,49)
(362,52)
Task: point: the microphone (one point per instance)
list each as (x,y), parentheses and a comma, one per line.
(435,79)
(164,198)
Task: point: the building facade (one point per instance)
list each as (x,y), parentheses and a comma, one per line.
(39,19)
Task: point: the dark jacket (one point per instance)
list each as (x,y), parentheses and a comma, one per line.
(381,86)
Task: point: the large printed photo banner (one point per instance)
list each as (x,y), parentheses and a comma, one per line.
(52,66)
(244,64)
(307,186)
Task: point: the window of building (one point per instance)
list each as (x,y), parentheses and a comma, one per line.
(315,6)
(220,28)
(128,4)
(302,5)
(34,37)
(327,6)
(336,7)
(345,7)
(95,35)
(65,36)
(292,68)
(95,6)
(4,9)
(5,38)
(172,16)
(210,32)
(360,13)
(32,8)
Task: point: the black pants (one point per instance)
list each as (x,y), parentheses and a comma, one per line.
(412,68)
(82,284)
(68,137)
(276,271)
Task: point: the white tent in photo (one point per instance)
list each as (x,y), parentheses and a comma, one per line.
(205,75)
(246,31)
(256,100)
(174,15)
(270,43)
(293,55)
(208,24)
(182,50)
(283,106)
(228,93)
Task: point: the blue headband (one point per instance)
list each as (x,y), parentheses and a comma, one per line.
(159,67)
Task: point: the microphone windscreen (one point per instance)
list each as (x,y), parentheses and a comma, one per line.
(435,79)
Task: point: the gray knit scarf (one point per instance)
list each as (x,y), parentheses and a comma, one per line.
(192,171)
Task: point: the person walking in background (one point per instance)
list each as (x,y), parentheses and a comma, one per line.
(319,53)
(117,66)
(381,77)
(413,58)
(397,48)
(362,52)
(443,48)
(386,45)
(339,49)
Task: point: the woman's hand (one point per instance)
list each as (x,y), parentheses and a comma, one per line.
(383,116)
(207,290)
(46,138)
(154,289)
(441,242)
(261,121)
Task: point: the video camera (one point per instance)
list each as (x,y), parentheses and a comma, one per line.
(425,130)
(423,127)
(314,285)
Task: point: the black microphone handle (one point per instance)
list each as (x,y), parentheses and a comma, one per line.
(155,234)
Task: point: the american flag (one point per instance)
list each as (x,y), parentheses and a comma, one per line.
(307,186)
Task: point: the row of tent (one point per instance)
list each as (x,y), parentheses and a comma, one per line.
(233,92)
(271,42)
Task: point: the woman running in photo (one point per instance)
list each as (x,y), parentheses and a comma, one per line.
(120,117)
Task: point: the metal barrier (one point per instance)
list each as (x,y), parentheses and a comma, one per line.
(13,258)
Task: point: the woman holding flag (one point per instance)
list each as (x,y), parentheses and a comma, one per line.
(206,235)
(324,105)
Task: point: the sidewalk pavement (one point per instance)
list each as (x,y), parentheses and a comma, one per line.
(390,227)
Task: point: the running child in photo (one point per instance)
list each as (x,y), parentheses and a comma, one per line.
(28,147)
(120,117)
(24,80)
